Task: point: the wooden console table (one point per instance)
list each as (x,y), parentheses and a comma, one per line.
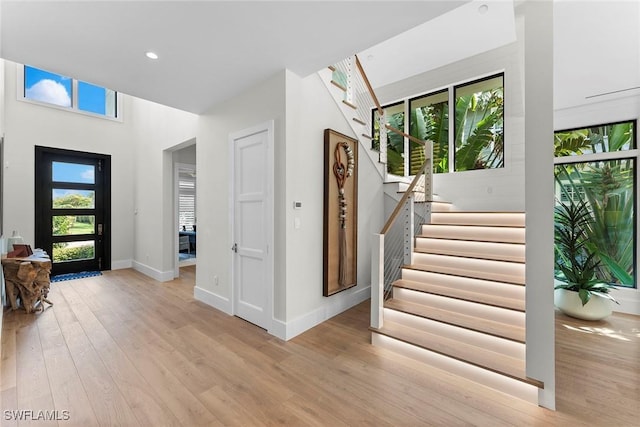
(27,278)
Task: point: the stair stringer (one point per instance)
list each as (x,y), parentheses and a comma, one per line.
(358,129)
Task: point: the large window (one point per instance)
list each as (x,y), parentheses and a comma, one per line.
(597,165)
(61,91)
(479,118)
(467,132)
(429,121)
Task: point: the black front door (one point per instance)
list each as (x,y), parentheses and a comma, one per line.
(73,206)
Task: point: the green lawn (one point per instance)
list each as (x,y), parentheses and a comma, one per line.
(82,228)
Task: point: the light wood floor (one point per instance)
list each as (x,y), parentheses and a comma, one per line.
(122,349)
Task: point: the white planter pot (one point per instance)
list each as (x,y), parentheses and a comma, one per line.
(570,304)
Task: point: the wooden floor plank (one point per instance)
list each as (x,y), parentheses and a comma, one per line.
(137,344)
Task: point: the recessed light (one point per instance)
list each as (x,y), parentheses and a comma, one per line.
(483,9)
(151,55)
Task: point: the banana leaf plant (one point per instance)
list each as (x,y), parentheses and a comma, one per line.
(575,262)
(479,136)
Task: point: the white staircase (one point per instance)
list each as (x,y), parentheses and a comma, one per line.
(460,303)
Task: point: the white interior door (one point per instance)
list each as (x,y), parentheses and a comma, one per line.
(252,224)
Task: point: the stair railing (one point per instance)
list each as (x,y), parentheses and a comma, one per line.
(393,246)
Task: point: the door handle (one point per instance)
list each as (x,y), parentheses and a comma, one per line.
(234,248)
(99,229)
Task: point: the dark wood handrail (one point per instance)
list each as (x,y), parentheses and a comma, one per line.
(405,196)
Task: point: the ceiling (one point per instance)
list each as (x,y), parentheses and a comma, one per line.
(208,51)
(213,50)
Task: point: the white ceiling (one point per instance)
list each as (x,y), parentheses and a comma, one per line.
(212,50)
(209,50)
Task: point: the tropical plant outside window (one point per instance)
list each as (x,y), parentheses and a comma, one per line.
(429,121)
(62,91)
(607,186)
(479,119)
(395,142)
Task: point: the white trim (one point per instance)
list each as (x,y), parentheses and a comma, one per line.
(121,264)
(160,276)
(74,98)
(269,208)
(596,157)
(214,300)
(334,306)
(629,299)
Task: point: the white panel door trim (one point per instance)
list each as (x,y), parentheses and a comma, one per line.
(268,128)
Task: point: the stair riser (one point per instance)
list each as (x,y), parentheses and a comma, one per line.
(498,345)
(478,268)
(474,285)
(497,314)
(485,234)
(487,378)
(486,250)
(483,219)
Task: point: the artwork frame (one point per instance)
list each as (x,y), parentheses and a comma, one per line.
(340,228)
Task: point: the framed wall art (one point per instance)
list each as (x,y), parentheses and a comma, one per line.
(340,212)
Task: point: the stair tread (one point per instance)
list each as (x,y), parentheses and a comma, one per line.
(462,273)
(462,294)
(338,85)
(473,323)
(458,253)
(487,359)
(476,233)
(465,239)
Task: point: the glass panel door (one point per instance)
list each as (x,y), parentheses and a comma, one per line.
(72,209)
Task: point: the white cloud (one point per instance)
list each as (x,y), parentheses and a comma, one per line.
(49,91)
(88,175)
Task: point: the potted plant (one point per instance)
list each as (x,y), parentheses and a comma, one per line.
(578,292)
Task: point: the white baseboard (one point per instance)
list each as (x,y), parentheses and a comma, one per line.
(121,264)
(334,305)
(160,276)
(629,300)
(216,301)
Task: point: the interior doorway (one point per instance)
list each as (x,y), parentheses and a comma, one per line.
(186,214)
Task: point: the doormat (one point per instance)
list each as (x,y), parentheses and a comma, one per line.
(71,276)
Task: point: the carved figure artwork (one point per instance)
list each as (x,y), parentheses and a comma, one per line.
(340,209)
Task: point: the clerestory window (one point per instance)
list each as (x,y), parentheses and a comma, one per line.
(48,88)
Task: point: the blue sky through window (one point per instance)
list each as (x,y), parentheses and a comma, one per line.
(56,89)
(91,98)
(73,172)
(44,86)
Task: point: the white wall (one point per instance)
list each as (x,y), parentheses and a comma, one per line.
(28,125)
(135,146)
(262,103)
(156,129)
(310,110)
(492,189)
(301,110)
